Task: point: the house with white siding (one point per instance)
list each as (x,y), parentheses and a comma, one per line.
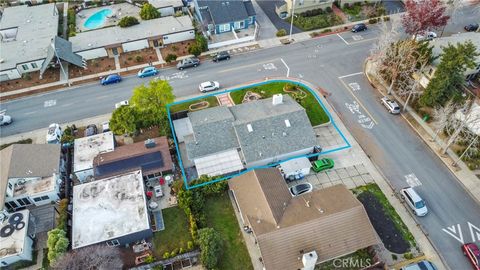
(112,41)
(167,7)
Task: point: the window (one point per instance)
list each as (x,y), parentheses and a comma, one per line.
(224,28)
(37,199)
(239,25)
(10,186)
(25,67)
(34,65)
(11,205)
(113,243)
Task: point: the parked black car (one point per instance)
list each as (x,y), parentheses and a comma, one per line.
(91,130)
(359,27)
(221,56)
(471,27)
(188,62)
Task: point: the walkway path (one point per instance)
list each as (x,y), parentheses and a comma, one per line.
(225,100)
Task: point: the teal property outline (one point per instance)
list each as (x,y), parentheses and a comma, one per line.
(348,145)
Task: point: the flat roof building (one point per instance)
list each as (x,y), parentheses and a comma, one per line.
(86,149)
(15,243)
(112,210)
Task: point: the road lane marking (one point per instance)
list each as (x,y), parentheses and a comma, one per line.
(412,180)
(343,39)
(363,40)
(101,97)
(474,232)
(354,86)
(288,69)
(455,231)
(269,66)
(247,66)
(28,113)
(357,37)
(350,75)
(358,101)
(66,104)
(49,103)
(365,121)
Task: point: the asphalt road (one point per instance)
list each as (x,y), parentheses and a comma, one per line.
(333,62)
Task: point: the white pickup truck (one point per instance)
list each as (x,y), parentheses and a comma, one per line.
(5,119)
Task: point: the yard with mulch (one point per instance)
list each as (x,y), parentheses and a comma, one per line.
(144,56)
(389,226)
(94,66)
(179,48)
(176,233)
(31,79)
(212,101)
(314,110)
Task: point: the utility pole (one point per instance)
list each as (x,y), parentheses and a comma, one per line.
(464,152)
(292,16)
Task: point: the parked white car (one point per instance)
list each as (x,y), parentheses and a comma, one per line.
(5,120)
(427,36)
(54,133)
(391,105)
(209,86)
(121,103)
(414,201)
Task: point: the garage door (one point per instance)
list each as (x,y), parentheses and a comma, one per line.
(219,164)
(135,45)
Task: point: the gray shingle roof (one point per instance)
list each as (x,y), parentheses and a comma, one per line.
(228,11)
(222,128)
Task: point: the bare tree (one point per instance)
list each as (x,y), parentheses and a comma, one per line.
(389,34)
(441,116)
(98,257)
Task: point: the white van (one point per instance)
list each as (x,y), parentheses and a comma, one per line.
(414,201)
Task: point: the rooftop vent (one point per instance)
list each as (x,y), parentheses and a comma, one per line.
(249,128)
(150,143)
(277,99)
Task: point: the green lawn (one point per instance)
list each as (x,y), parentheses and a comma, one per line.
(176,233)
(315,112)
(184,106)
(220,216)
(24,141)
(316,22)
(389,210)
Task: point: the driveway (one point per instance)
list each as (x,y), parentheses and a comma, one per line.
(268,8)
(393,6)
(267,29)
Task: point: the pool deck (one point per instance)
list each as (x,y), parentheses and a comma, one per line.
(118,11)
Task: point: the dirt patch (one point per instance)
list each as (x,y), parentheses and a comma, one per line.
(179,48)
(94,66)
(32,79)
(139,57)
(198,106)
(391,237)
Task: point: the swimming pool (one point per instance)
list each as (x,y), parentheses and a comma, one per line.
(97,19)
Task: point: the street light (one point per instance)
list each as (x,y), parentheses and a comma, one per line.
(291,20)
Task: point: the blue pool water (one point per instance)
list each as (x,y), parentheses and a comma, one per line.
(97,19)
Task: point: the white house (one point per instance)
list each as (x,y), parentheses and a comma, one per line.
(86,149)
(167,7)
(30,175)
(115,40)
(15,242)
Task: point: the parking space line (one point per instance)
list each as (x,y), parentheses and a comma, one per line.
(359,102)
(360,41)
(350,75)
(343,39)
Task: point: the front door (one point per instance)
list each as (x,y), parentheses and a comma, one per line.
(115,51)
(155,43)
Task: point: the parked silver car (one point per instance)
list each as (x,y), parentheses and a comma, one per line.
(391,105)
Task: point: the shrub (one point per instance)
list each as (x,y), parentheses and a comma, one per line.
(346,6)
(62,211)
(328,10)
(166,255)
(386,19)
(281,33)
(189,245)
(408,256)
(328,30)
(174,48)
(210,242)
(394,257)
(372,21)
(57,243)
(194,49)
(149,259)
(201,42)
(149,12)
(127,21)
(181,251)
(158,267)
(138,58)
(170,57)
(178,13)
(193,227)
(173,254)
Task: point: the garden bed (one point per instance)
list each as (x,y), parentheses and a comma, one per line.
(363,10)
(212,102)
(316,22)
(31,79)
(314,110)
(389,226)
(94,66)
(221,216)
(179,48)
(144,56)
(176,234)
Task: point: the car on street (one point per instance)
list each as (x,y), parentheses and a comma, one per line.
(391,105)
(148,71)
(322,164)
(421,265)
(188,62)
(426,36)
(359,27)
(472,252)
(54,133)
(5,120)
(91,130)
(121,103)
(414,201)
(208,86)
(221,56)
(472,27)
(106,126)
(113,78)
(301,189)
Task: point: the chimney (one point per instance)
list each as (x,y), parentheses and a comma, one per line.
(150,143)
(309,260)
(277,99)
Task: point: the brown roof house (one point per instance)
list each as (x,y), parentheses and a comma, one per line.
(299,232)
(152,157)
